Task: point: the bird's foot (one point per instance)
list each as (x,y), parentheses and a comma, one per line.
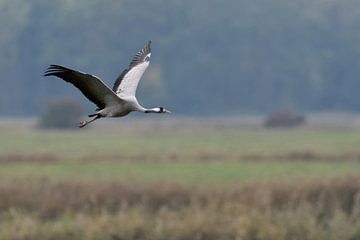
(82,124)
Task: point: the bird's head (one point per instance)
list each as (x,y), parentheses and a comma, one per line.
(162,110)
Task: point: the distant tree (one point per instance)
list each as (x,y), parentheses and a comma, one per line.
(61,113)
(212,56)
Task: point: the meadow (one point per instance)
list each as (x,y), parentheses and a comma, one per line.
(179,179)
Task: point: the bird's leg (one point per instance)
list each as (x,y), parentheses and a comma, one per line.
(84,123)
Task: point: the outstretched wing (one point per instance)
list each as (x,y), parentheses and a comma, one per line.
(92,87)
(127,82)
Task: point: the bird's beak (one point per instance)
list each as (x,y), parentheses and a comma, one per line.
(166,111)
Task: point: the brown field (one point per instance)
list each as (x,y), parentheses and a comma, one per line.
(189,181)
(111,210)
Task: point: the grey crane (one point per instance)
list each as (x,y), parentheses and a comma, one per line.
(118,101)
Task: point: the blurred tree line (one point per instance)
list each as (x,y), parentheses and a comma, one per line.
(209,56)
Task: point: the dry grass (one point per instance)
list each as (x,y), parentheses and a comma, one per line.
(321,209)
(200,156)
(104,205)
(26,158)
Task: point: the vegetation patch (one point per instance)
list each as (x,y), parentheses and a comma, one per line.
(321,209)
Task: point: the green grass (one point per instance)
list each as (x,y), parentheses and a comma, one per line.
(182,142)
(182,172)
(179,183)
(186,155)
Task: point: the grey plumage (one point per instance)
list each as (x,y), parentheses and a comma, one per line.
(138,58)
(115,102)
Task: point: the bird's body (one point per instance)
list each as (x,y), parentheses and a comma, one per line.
(118,101)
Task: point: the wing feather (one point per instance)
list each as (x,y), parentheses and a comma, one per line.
(92,87)
(127,82)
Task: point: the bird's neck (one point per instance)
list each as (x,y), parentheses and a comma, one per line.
(152,110)
(140,108)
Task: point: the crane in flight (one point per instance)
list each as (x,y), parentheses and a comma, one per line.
(118,101)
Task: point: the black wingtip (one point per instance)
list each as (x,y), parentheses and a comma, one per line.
(148,46)
(53,69)
(50,70)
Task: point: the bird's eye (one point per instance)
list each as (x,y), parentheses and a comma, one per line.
(147,59)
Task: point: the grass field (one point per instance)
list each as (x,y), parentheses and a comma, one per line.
(182,172)
(154,180)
